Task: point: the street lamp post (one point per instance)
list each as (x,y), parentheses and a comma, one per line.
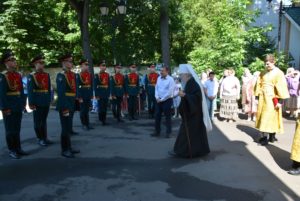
(280,13)
(279,26)
(121,9)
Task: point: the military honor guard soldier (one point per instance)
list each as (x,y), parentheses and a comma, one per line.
(39,98)
(117,92)
(66,95)
(132,88)
(84,93)
(150,82)
(102,92)
(12,103)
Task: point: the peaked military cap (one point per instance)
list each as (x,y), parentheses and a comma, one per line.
(83,60)
(37,57)
(65,56)
(6,55)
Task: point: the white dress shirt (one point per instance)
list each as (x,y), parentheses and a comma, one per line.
(211,87)
(164,88)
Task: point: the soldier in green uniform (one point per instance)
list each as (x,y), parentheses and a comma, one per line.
(117,92)
(66,94)
(102,92)
(84,93)
(150,82)
(39,98)
(12,103)
(132,88)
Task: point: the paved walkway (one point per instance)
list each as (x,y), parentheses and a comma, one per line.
(121,162)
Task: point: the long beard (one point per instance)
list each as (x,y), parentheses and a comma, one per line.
(183,84)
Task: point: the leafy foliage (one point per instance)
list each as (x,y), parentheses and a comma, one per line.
(208,33)
(29,27)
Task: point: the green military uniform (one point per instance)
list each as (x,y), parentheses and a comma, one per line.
(12,104)
(150,82)
(66,94)
(132,88)
(39,98)
(102,93)
(117,93)
(85,94)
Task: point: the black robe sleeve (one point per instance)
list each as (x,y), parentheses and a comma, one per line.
(193,98)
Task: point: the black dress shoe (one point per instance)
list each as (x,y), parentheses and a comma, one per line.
(21,152)
(272,138)
(294,171)
(155,134)
(134,118)
(14,155)
(42,143)
(74,133)
(105,124)
(85,128)
(48,142)
(172,154)
(264,141)
(75,151)
(120,120)
(90,127)
(67,154)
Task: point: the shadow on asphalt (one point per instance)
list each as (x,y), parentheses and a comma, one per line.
(280,156)
(16,175)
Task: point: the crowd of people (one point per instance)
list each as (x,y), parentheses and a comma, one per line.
(264,96)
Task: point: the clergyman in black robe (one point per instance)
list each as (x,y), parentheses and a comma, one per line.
(192,138)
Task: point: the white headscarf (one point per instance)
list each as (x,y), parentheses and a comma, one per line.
(188,69)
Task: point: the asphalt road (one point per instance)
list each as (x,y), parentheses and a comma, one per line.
(121,162)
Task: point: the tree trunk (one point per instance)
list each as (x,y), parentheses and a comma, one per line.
(164,32)
(83,10)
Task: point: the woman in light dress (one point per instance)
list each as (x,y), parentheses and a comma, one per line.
(251,102)
(229,94)
(292,104)
(246,78)
(176,97)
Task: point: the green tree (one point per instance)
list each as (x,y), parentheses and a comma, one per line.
(45,26)
(219,33)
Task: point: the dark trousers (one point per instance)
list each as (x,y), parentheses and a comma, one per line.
(102,109)
(84,112)
(166,108)
(116,107)
(66,129)
(40,115)
(132,104)
(71,117)
(151,104)
(12,125)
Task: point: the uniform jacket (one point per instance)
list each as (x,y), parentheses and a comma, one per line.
(11,91)
(39,89)
(66,90)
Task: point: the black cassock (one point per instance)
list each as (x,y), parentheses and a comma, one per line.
(192,124)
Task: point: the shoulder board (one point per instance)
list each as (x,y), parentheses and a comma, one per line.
(32,73)
(4,72)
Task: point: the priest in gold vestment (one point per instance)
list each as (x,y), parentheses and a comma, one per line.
(295,155)
(271,89)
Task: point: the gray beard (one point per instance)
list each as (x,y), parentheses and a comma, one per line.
(183,84)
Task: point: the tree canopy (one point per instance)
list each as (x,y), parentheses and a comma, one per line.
(207,33)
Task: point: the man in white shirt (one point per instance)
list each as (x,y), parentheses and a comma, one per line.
(211,90)
(164,97)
